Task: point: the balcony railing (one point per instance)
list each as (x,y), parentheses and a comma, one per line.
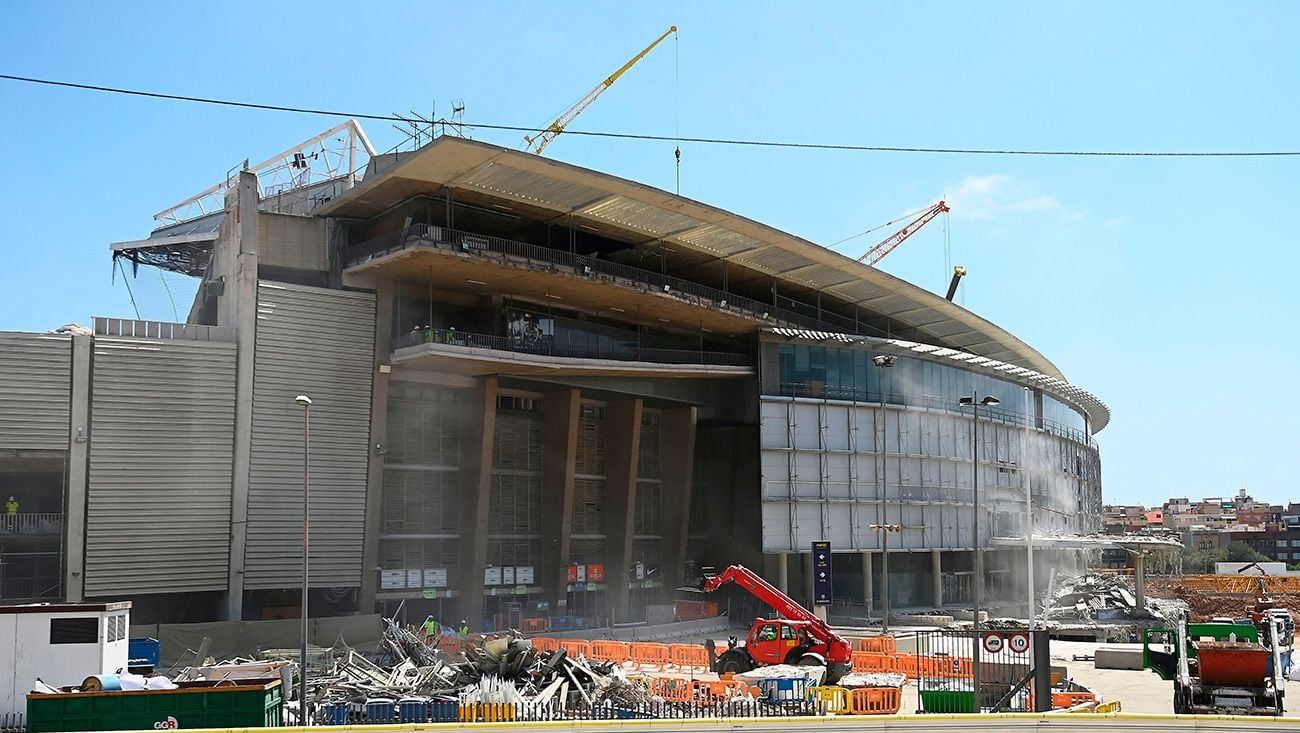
(49,523)
(452,240)
(549,346)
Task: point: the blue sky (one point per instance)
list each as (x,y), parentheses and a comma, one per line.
(1165,286)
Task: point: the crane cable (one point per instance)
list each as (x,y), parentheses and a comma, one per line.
(895,220)
(677,108)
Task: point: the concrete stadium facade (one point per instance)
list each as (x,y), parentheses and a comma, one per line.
(539,391)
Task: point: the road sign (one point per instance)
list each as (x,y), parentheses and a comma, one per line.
(1018,642)
(993,642)
(822,594)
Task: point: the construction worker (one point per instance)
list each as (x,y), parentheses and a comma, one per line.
(11,506)
(430,630)
(463,629)
(11,514)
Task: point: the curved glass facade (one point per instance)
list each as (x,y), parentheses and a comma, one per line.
(844,373)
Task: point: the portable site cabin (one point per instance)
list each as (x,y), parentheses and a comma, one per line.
(62,644)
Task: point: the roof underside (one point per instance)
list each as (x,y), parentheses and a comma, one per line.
(638,214)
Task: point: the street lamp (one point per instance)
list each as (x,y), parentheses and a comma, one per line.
(303,718)
(884,529)
(974,403)
(883,362)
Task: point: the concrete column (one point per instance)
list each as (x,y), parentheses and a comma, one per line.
(1140,579)
(477,429)
(783,573)
(936,577)
(74,542)
(806,565)
(378,440)
(238,308)
(867,589)
(622,443)
(559,453)
(677,444)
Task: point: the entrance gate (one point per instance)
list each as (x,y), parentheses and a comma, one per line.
(1014,671)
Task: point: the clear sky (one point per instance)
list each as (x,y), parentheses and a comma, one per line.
(1165,286)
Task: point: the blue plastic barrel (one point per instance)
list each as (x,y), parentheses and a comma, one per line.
(412,710)
(444,711)
(336,713)
(379,710)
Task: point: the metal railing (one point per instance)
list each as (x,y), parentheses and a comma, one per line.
(453,240)
(1004,416)
(548,346)
(40,523)
(161,330)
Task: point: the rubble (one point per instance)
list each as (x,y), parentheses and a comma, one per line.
(872,679)
(1094,597)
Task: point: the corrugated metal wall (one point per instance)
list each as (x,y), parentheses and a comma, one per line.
(35,388)
(162,436)
(319,343)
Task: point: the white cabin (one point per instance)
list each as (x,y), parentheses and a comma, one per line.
(62,644)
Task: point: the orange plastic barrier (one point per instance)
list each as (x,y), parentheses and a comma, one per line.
(944,666)
(651,655)
(672,689)
(875,701)
(1070,699)
(903,664)
(545,644)
(487,712)
(688,656)
(870,662)
(576,647)
(610,651)
(721,690)
(965,667)
(878,644)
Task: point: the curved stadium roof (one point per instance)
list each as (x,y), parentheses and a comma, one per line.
(639,214)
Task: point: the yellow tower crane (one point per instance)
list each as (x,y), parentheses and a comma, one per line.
(537,143)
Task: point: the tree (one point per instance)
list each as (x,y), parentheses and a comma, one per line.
(1242,552)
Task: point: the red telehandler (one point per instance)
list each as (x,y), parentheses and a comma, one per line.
(798,638)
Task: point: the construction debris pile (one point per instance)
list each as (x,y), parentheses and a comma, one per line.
(1094,597)
(503,671)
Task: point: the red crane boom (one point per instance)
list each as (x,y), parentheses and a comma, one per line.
(890,243)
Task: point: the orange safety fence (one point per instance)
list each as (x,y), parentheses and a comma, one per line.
(836,699)
(870,662)
(875,701)
(650,655)
(576,647)
(545,644)
(721,690)
(487,712)
(688,656)
(610,651)
(903,664)
(1070,699)
(673,689)
(449,645)
(879,644)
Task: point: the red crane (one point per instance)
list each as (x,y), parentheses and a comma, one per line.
(878,252)
(799,638)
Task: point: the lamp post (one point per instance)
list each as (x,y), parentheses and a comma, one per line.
(304,718)
(974,403)
(883,362)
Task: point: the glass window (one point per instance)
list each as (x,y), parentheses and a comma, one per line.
(1281,543)
(1295,543)
(74,630)
(787,633)
(767,633)
(1281,556)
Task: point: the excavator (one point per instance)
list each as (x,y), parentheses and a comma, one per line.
(799,637)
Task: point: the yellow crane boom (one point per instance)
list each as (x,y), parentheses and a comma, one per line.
(538,142)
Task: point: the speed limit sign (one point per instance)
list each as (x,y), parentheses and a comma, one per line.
(993,642)
(1018,642)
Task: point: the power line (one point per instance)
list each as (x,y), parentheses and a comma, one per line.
(674,138)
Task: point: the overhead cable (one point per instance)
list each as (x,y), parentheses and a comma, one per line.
(676,138)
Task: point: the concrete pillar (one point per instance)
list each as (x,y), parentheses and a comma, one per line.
(622,444)
(867,589)
(378,440)
(1140,579)
(936,577)
(238,308)
(560,412)
(677,446)
(477,430)
(783,573)
(74,542)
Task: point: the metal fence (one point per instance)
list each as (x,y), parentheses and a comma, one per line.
(453,240)
(450,710)
(547,346)
(945,666)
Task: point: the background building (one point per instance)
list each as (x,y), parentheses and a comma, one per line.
(539,390)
